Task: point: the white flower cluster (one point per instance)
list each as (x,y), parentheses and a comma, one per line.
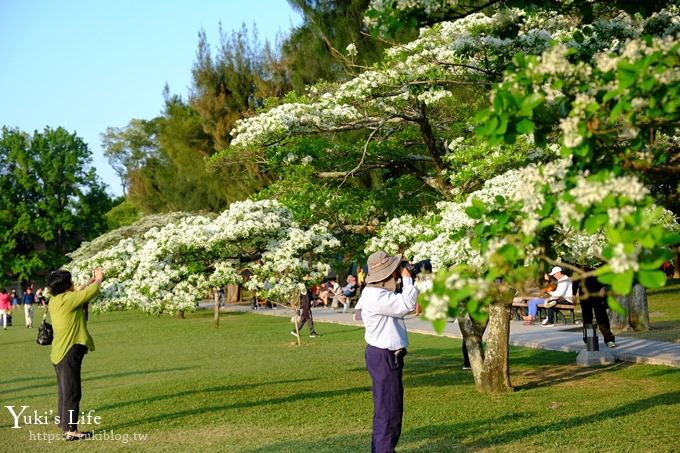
(169,269)
(621,261)
(446,237)
(438,305)
(275,124)
(398,234)
(553,67)
(439,52)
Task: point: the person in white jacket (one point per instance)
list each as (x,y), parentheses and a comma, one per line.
(563,294)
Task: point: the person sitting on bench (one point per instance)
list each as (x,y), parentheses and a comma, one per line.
(533,303)
(348,291)
(562,295)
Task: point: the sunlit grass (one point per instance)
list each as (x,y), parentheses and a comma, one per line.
(245,386)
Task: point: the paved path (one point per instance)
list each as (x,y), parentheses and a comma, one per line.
(558,338)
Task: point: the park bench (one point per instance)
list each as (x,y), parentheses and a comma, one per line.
(560,309)
(352,300)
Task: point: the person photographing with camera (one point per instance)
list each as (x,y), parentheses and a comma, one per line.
(382,312)
(71,342)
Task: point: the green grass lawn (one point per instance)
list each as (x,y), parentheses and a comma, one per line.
(245,386)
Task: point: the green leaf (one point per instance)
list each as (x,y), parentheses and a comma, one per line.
(525,126)
(610,95)
(509,252)
(670,239)
(477,203)
(488,126)
(627,75)
(594,222)
(652,279)
(473,212)
(438,325)
(622,283)
(546,223)
(615,305)
(529,103)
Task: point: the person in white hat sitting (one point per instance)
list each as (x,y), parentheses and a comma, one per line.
(382,312)
(563,294)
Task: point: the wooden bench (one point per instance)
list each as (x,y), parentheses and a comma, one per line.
(559,309)
(352,300)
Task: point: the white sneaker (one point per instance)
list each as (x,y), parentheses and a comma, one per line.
(611,344)
(545,321)
(550,303)
(293,333)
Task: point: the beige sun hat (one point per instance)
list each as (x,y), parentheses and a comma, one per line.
(381,265)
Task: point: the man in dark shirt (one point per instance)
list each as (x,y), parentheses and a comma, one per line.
(28,300)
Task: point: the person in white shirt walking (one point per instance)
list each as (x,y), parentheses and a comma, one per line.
(382,312)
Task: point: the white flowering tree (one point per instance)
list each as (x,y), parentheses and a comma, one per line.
(584,136)
(171,268)
(486,247)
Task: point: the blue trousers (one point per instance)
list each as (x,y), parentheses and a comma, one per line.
(385,369)
(532,306)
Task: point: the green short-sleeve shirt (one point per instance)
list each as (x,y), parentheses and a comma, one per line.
(68,320)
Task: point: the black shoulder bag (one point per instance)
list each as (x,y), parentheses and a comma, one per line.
(45,331)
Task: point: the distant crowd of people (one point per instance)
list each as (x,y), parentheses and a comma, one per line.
(10,301)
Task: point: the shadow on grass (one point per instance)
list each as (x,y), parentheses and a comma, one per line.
(330,333)
(451,437)
(217,389)
(30,341)
(624,410)
(428,367)
(52,380)
(435,438)
(431,439)
(552,375)
(295,398)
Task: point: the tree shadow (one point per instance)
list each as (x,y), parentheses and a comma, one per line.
(85,377)
(216,389)
(624,410)
(452,437)
(294,398)
(549,375)
(432,367)
(328,333)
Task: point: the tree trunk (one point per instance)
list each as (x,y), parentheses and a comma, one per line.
(491,367)
(295,306)
(216,300)
(472,336)
(676,263)
(637,311)
(495,375)
(233,294)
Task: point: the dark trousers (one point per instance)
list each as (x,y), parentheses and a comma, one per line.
(466,357)
(599,305)
(68,387)
(306,316)
(552,311)
(385,369)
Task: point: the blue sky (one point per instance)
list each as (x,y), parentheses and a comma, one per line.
(88,65)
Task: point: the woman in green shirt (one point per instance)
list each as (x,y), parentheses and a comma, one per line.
(71,342)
